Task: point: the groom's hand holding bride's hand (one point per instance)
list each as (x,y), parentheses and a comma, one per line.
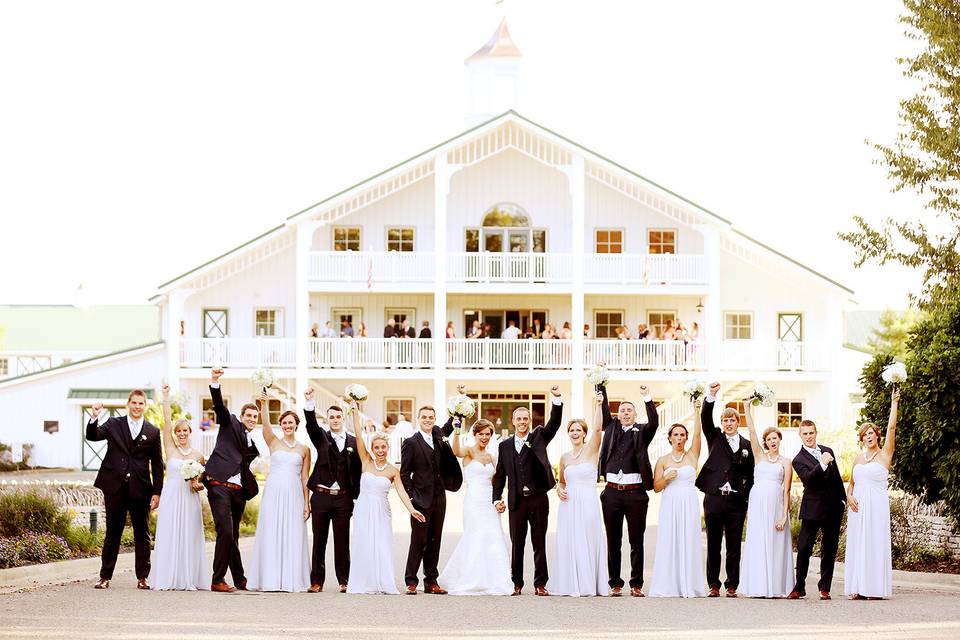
(154,502)
(500,505)
(561,492)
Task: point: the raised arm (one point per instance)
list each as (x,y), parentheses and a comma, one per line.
(459,451)
(556,415)
(653,418)
(606,416)
(316,434)
(166,429)
(219,409)
(754,440)
(697,434)
(362,450)
(592,445)
(710,429)
(405,499)
(94,430)
(268,435)
(889,444)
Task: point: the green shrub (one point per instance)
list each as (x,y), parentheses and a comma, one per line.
(21,513)
(9,553)
(248,523)
(32,548)
(81,540)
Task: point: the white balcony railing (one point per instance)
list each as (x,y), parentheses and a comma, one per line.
(645,269)
(509,267)
(496,353)
(649,355)
(370,353)
(766,355)
(361,267)
(238,352)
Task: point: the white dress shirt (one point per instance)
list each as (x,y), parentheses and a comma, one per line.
(427,437)
(734,442)
(135,426)
(620,477)
(817,453)
(510,333)
(518,442)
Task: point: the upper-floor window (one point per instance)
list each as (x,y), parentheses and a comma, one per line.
(608,241)
(661,241)
(789,413)
(400,239)
(505,228)
(346,238)
(607,322)
(4,367)
(790,327)
(737,326)
(267,322)
(215,323)
(399,408)
(658,321)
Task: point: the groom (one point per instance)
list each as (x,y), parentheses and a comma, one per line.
(131,478)
(523,467)
(230,484)
(824,501)
(428,469)
(625,465)
(725,479)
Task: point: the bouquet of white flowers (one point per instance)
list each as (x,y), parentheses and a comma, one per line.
(762,395)
(356,392)
(262,379)
(694,389)
(191,469)
(894,373)
(598,377)
(460,406)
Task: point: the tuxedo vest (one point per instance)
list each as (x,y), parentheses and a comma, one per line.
(623,454)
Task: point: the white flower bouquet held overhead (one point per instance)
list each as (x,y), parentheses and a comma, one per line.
(695,389)
(762,395)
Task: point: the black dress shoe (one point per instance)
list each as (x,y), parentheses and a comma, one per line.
(102,583)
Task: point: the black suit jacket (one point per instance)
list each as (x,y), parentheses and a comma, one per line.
(327,455)
(723,465)
(823,492)
(231,455)
(642,435)
(138,464)
(418,466)
(426,333)
(541,476)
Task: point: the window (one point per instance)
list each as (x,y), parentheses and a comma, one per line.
(608,241)
(471,240)
(4,367)
(789,413)
(790,327)
(606,323)
(737,326)
(398,407)
(215,323)
(346,238)
(539,240)
(740,412)
(657,321)
(661,241)
(397,316)
(208,419)
(400,239)
(267,322)
(51,426)
(275,409)
(350,316)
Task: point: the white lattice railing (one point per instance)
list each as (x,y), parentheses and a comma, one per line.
(509,267)
(371,266)
(766,355)
(496,353)
(237,352)
(370,353)
(645,269)
(658,355)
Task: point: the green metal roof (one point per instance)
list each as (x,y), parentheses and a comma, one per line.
(104,394)
(49,328)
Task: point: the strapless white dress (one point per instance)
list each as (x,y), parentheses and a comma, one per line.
(678,570)
(580,562)
(371,558)
(869,566)
(179,560)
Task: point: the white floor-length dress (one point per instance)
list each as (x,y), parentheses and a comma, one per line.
(868,569)
(766,567)
(179,560)
(678,570)
(580,562)
(371,560)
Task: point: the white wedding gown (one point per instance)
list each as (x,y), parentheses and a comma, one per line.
(371,560)
(480,564)
(179,560)
(281,555)
(766,567)
(678,564)
(580,562)
(869,567)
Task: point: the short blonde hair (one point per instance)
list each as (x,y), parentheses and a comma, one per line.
(768,431)
(730,412)
(180,422)
(867,426)
(380,436)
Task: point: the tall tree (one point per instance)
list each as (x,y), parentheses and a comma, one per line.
(892,332)
(924,157)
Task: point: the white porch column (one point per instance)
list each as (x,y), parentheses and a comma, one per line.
(577,179)
(442,172)
(301,327)
(171,334)
(712,329)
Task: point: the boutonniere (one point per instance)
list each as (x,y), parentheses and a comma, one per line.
(143,437)
(527,445)
(349,449)
(744,453)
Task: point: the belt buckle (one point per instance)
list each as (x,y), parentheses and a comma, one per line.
(725,492)
(334,492)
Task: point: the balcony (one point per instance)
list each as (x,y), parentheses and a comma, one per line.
(646,270)
(367,268)
(496,353)
(252,353)
(772,355)
(645,355)
(371,353)
(547,268)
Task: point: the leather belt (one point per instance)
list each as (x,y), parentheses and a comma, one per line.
(329,492)
(726,492)
(624,487)
(228,485)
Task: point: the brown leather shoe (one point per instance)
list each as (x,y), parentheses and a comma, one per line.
(825,595)
(222,587)
(795,595)
(731,592)
(714,592)
(616,592)
(142,584)
(315,588)
(102,583)
(541,591)
(435,590)
(241,584)
(411,590)
(343,588)
(516,590)
(636,592)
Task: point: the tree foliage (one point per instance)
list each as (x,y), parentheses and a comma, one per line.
(924,157)
(892,332)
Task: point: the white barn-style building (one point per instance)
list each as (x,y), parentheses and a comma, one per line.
(506,222)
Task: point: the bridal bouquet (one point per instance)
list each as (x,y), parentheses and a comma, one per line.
(191,470)
(694,389)
(262,379)
(460,406)
(762,395)
(356,392)
(894,373)
(598,377)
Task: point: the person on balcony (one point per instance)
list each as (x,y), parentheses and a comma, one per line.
(425,332)
(388,331)
(406,331)
(566,333)
(346,329)
(362,331)
(669,332)
(643,333)
(476,331)
(328,330)
(315,330)
(536,330)
(511,332)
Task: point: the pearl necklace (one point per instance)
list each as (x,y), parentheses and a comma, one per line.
(774,460)
(378,467)
(870,459)
(574,456)
(290,446)
(677,460)
(182,452)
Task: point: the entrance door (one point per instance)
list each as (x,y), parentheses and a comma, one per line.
(495,320)
(498,409)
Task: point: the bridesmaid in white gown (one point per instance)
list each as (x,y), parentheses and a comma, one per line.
(179,558)
(678,565)
(766,570)
(371,557)
(869,568)
(281,556)
(480,565)
(580,562)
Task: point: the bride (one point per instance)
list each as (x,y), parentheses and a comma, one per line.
(480,565)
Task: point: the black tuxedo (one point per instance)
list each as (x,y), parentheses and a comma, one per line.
(231,456)
(531,470)
(326,506)
(822,507)
(427,474)
(426,333)
(130,473)
(626,451)
(724,513)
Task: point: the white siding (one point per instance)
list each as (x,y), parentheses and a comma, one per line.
(373,307)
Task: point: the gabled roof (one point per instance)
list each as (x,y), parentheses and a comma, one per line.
(500,45)
(510,115)
(86,362)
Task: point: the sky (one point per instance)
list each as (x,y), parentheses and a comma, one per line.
(139,140)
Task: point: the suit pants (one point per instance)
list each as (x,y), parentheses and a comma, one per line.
(532,511)
(117,505)
(325,510)
(828,550)
(617,506)
(725,516)
(227,507)
(425,542)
